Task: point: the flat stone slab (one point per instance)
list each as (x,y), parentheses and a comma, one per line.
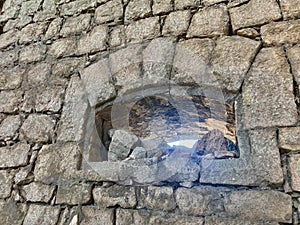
(13,156)
(294,166)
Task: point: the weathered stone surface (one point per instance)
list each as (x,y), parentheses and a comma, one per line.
(9,127)
(209,22)
(137,9)
(38,128)
(157,198)
(13,156)
(8,38)
(269,74)
(289,138)
(6,184)
(111,11)
(66,67)
(56,162)
(144,29)
(278,33)
(75,25)
(73,8)
(212,2)
(63,47)
(43,215)
(73,194)
(294,166)
(94,216)
(230,66)
(30,7)
(53,28)
(97,80)
(199,200)
(123,196)
(213,220)
(290,9)
(8,58)
(248,32)
(37,192)
(12,213)
(294,57)
(138,153)
(75,112)
(264,205)
(38,74)
(121,144)
(182,4)
(32,53)
(93,41)
(254,13)
(48,12)
(177,23)
(32,32)
(117,36)
(11,78)
(161,6)
(9,101)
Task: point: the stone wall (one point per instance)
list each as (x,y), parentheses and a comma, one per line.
(62,59)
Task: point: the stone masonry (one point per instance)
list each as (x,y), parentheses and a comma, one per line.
(62,60)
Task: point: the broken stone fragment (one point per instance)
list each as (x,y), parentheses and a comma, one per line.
(138,153)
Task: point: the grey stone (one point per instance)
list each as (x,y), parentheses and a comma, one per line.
(290,9)
(75,112)
(177,23)
(121,144)
(75,25)
(13,156)
(234,3)
(209,22)
(182,4)
(24,175)
(63,47)
(289,138)
(30,7)
(276,33)
(254,13)
(161,6)
(115,195)
(41,214)
(66,67)
(9,127)
(12,213)
(56,162)
(137,9)
(93,41)
(73,194)
(212,2)
(294,167)
(294,57)
(74,8)
(11,78)
(32,32)
(157,198)
(9,101)
(8,58)
(224,62)
(94,216)
(97,80)
(53,28)
(48,12)
(32,53)
(38,128)
(138,153)
(37,192)
(6,184)
(212,220)
(21,21)
(248,32)
(144,29)
(9,13)
(38,74)
(117,36)
(111,11)
(8,38)
(262,109)
(265,205)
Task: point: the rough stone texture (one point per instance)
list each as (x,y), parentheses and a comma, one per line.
(43,215)
(8,38)
(289,138)
(97,80)
(254,13)
(53,28)
(11,78)
(248,32)
(94,216)
(212,2)
(161,6)
(294,166)
(209,22)
(182,4)
(56,162)
(117,36)
(268,205)
(277,33)
(290,9)
(157,198)
(137,9)
(8,58)
(32,53)
(270,73)
(13,156)
(9,127)
(177,23)
(294,57)
(75,25)
(9,101)
(212,220)
(6,184)
(143,30)
(115,195)
(38,74)
(73,8)
(63,47)
(93,41)
(66,67)
(32,32)
(230,66)
(111,11)
(73,194)
(12,213)
(138,153)
(37,192)
(38,128)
